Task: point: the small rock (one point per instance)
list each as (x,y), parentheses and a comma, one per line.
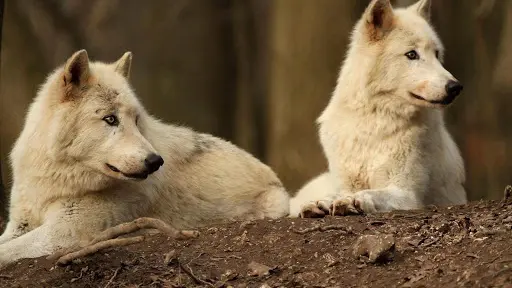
(257,269)
(228,275)
(171,258)
(307,277)
(416,241)
(331,261)
(246,224)
(212,230)
(392,230)
(507,220)
(378,248)
(414,228)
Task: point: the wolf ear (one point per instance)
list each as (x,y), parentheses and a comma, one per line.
(379,18)
(76,70)
(422,7)
(124,64)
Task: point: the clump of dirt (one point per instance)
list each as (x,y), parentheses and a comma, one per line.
(465,246)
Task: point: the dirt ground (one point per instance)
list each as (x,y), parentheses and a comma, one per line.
(466,246)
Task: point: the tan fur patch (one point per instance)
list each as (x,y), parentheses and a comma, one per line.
(421,87)
(376,34)
(72,92)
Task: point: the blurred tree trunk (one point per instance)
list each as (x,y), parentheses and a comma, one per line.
(250,38)
(308,40)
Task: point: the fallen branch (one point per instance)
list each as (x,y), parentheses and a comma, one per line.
(321,229)
(91,249)
(106,239)
(143,223)
(62,252)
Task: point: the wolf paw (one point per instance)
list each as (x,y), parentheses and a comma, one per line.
(364,201)
(345,206)
(316,209)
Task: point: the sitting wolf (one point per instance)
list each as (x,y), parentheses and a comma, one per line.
(383,131)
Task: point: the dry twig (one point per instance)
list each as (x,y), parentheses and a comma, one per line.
(5,276)
(112,278)
(62,252)
(189,272)
(91,249)
(106,239)
(321,229)
(143,223)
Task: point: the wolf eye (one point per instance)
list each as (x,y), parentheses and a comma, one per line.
(412,55)
(111,120)
(437,54)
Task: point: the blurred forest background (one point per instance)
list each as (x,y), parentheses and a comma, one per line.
(258,72)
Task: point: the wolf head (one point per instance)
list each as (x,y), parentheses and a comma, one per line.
(94,119)
(404,55)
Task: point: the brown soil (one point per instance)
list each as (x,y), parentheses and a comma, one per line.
(467,246)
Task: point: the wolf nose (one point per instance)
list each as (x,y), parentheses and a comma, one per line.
(453,89)
(153,162)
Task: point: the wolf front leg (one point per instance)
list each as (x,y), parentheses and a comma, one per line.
(41,241)
(377,200)
(313,200)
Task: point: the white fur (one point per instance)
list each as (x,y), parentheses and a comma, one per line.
(64,193)
(386,149)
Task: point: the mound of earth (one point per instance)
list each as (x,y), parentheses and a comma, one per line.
(466,246)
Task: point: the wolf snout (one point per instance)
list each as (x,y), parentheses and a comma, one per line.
(153,162)
(453,89)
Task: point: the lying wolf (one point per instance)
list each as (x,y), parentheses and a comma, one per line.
(383,131)
(90,157)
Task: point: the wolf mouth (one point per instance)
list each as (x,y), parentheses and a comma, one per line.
(445,101)
(141,175)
